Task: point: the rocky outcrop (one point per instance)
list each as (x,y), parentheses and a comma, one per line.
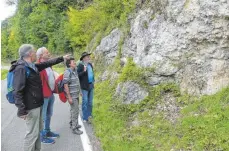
(187,42)
(130,93)
(109,75)
(109,46)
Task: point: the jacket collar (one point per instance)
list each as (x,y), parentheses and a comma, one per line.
(19,62)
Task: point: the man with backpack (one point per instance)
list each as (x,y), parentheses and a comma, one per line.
(48,86)
(72,90)
(27,93)
(86,76)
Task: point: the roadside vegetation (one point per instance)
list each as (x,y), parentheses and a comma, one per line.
(3,74)
(202,125)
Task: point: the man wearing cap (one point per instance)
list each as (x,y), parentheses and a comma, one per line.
(86,77)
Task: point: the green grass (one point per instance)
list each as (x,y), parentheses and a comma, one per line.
(131,72)
(5,63)
(203,122)
(3,74)
(59,68)
(109,123)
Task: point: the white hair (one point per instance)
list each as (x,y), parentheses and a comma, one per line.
(40,51)
(25,49)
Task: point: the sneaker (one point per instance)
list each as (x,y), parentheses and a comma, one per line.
(85,121)
(90,119)
(77,131)
(52,135)
(46,140)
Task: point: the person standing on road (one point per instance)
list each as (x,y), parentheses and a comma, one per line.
(72,90)
(28,93)
(86,76)
(48,85)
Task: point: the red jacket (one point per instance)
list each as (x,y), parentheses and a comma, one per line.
(47,92)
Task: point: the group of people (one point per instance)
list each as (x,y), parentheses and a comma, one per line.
(34,93)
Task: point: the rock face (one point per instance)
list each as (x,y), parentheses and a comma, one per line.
(130,93)
(108,75)
(109,46)
(188,43)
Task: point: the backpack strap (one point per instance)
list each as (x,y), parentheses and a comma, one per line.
(70,72)
(27,71)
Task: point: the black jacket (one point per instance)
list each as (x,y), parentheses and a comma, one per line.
(28,92)
(83,76)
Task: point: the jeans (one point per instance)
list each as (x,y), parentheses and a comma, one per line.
(47,112)
(87,103)
(33,127)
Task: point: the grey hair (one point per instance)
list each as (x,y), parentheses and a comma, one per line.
(24,50)
(40,51)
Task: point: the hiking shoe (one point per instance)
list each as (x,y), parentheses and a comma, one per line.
(77,131)
(70,123)
(47,141)
(78,126)
(52,135)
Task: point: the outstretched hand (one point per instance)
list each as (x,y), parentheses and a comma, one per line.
(67,56)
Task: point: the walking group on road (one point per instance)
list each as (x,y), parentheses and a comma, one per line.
(33,87)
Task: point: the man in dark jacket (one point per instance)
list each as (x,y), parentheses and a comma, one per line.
(86,77)
(28,93)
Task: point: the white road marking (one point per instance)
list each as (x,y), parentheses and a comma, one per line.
(84,137)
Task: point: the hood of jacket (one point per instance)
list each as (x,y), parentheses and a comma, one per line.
(15,63)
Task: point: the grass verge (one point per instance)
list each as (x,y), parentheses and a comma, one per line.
(3,74)
(202,124)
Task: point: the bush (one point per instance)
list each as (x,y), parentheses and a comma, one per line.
(96,20)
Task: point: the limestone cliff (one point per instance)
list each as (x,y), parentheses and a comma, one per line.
(185,41)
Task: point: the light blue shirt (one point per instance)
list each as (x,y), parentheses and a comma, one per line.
(32,65)
(90,73)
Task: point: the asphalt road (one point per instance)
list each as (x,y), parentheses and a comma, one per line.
(13,128)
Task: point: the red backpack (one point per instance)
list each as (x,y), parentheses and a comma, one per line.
(59,88)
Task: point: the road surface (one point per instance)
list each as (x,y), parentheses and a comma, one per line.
(13,129)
